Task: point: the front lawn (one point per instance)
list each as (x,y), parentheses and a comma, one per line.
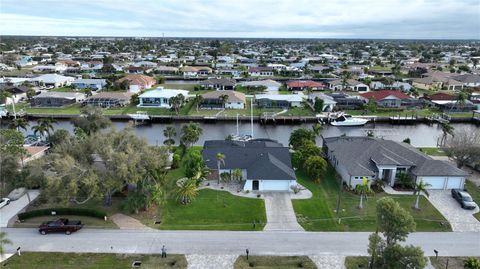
(277,262)
(318,213)
(356,262)
(48,260)
(211,210)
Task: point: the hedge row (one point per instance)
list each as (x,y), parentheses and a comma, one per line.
(63,211)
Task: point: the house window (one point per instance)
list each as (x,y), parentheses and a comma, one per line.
(401,170)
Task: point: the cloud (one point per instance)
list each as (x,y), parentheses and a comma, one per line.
(246,18)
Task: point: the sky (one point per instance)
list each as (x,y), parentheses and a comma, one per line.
(402,19)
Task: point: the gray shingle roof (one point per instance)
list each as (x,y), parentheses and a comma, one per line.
(359,155)
(262,158)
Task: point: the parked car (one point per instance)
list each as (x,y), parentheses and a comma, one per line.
(60,226)
(4,202)
(464,199)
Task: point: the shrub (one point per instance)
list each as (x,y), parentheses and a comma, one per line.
(63,211)
(175,161)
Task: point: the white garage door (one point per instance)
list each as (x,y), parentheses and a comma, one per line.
(275,185)
(437,183)
(455,183)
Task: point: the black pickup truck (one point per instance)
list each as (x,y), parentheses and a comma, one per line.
(60,226)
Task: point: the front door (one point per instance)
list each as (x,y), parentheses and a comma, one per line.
(255,185)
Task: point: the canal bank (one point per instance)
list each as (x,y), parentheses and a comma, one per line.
(402,120)
(421,135)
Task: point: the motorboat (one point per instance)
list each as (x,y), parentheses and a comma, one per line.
(348,120)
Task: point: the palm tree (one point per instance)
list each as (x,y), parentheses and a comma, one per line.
(224,99)
(363,189)
(187,190)
(170,133)
(19,123)
(198,100)
(237,174)
(447,129)
(220,160)
(3,241)
(44,126)
(420,187)
(461,99)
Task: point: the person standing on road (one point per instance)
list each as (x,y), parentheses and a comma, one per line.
(246,251)
(164,252)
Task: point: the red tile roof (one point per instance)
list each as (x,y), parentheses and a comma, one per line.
(380,95)
(305,84)
(441,96)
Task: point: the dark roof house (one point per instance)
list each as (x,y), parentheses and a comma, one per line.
(266,164)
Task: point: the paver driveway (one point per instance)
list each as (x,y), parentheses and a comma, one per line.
(280,214)
(461,220)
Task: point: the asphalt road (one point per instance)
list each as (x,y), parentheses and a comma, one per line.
(227,242)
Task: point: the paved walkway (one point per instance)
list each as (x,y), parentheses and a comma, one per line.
(329,261)
(280,213)
(127,222)
(8,214)
(461,220)
(211,261)
(388,189)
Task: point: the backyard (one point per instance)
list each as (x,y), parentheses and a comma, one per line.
(318,213)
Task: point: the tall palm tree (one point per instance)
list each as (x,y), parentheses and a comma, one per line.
(447,129)
(363,189)
(44,126)
(224,99)
(19,123)
(3,241)
(187,190)
(170,133)
(420,187)
(198,100)
(220,160)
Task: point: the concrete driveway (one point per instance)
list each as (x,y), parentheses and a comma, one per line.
(462,220)
(11,210)
(280,214)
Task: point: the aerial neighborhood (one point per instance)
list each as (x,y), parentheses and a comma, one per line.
(290,137)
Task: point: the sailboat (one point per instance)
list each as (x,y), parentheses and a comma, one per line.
(245,137)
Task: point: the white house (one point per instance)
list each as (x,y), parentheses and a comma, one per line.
(348,85)
(279,100)
(53,80)
(93,84)
(213,100)
(265,164)
(159,97)
(272,85)
(355,158)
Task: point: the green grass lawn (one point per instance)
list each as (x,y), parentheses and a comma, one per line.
(50,260)
(211,210)
(356,262)
(277,262)
(178,86)
(65,89)
(475,193)
(433,151)
(318,213)
(453,262)
(215,210)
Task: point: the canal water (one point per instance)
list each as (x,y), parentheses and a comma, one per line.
(421,135)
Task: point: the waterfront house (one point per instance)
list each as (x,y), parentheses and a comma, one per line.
(92,84)
(195,71)
(57,99)
(355,158)
(271,85)
(265,164)
(159,97)
(17,93)
(387,98)
(260,71)
(397,85)
(109,99)
(449,103)
(137,82)
(347,102)
(213,100)
(166,70)
(279,100)
(219,84)
(300,85)
(328,101)
(52,80)
(348,85)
